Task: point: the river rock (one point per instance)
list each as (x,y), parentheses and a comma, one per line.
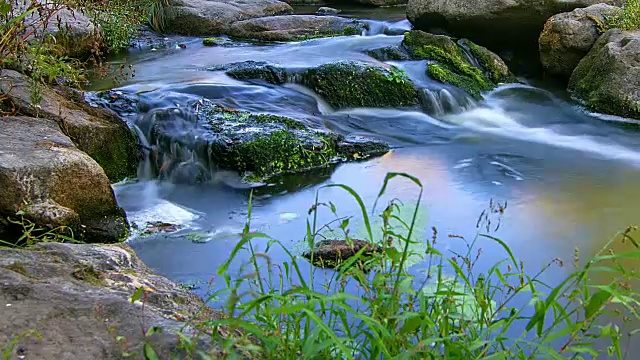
(343,84)
(257,146)
(254,70)
(568,37)
(76,301)
(607,79)
(99,133)
(389,53)
(494,23)
(450,65)
(213,17)
(333,253)
(43,175)
(350,84)
(295,27)
(327,11)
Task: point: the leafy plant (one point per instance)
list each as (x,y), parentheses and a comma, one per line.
(453,311)
(629,17)
(31,234)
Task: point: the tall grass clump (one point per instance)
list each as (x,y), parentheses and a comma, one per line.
(378,308)
(629,17)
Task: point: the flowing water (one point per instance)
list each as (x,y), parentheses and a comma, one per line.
(570,177)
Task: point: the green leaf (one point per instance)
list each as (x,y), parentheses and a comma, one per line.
(149,353)
(411,324)
(154,330)
(137,295)
(595,303)
(5,8)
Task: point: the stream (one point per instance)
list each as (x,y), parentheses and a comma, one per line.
(569,177)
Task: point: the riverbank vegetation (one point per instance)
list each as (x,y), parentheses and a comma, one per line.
(380,307)
(35,42)
(629,17)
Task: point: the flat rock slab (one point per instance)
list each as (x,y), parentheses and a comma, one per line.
(295,27)
(204,17)
(76,300)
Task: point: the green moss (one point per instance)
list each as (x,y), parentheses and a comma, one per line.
(212,41)
(17,268)
(452,66)
(280,151)
(260,146)
(352,84)
(88,274)
(496,69)
(351,30)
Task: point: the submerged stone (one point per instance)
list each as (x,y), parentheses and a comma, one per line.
(389,53)
(333,253)
(254,70)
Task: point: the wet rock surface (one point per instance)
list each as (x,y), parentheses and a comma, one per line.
(332,253)
(258,146)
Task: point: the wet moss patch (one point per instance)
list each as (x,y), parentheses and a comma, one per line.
(88,274)
(260,146)
(349,84)
(452,66)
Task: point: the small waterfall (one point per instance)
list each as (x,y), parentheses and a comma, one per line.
(175,147)
(440,102)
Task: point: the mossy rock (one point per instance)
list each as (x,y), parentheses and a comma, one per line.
(451,66)
(351,84)
(260,146)
(608,78)
(212,41)
(254,70)
(493,65)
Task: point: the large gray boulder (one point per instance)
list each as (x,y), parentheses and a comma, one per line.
(205,17)
(493,23)
(568,37)
(73,301)
(294,27)
(97,132)
(52,183)
(607,80)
